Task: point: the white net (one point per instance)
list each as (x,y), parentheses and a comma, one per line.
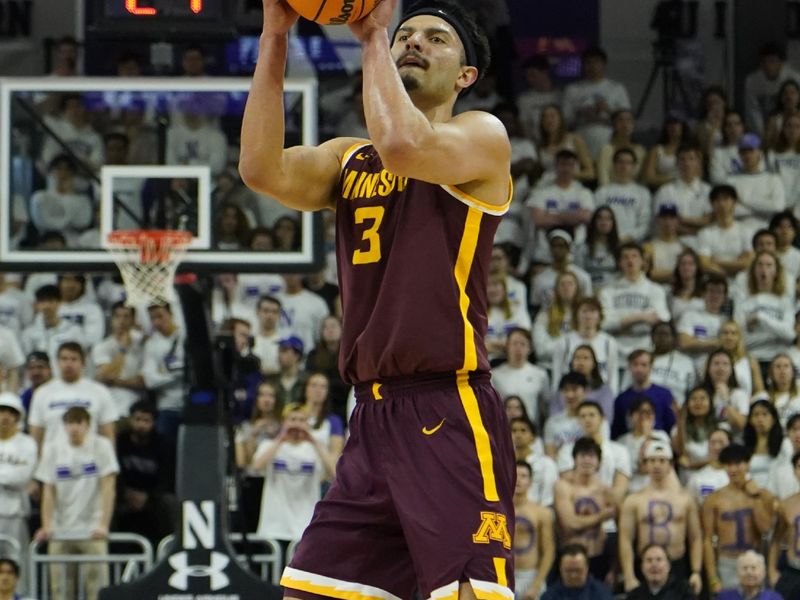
(148,260)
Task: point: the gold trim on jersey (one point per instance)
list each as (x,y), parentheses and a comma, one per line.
(350,151)
(471,201)
(486,590)
(466,255)
(446,592)
(333,588)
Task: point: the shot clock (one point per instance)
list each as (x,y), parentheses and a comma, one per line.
(158,19)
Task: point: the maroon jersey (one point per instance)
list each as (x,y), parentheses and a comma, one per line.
(413,262)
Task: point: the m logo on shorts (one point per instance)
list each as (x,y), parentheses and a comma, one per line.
(494,527)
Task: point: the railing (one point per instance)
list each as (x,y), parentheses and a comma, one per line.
(124,566)
(268,557)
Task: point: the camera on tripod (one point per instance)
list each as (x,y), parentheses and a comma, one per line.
(674,20)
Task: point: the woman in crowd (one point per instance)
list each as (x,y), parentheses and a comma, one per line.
(326,427)
(287,234)
(781,390)
(713,106)
(515,408)
(788,97)
(784,159)
(748,373)
(623,124)
(587,319)
(764,312)
(584,362)
(324,358)
(502,316)
(231,228)
(554,136)
(763,437)
(690,435)
(661,165)
(687,285)
(731,403)
(555,320)
(264,424)
(598,254)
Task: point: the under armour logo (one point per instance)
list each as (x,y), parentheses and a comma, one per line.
(183,570)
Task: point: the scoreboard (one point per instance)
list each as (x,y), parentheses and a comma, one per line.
(160,19)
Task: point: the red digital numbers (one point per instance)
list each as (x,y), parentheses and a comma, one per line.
(196,6)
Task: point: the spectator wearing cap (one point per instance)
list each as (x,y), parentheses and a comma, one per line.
(751,571)
(688,193)
(49,330)
(163,368)
(761,86)
(663,250)
(589,103)
(18,456)
(630,201)
(760,193)
(659,582)
(633,303)
(289,381)
(544,282)
(70,388)
(37,372)
(78,471)
(564,204)
(662,513)
(10,580)
(302,311)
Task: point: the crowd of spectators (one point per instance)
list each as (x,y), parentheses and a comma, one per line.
(643,329)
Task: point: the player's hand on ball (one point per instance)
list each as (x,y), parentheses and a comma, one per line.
(278,17)
(378,19)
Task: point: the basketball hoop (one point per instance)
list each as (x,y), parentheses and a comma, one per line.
(147,260)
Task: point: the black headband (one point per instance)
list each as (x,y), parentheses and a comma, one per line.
(466,40)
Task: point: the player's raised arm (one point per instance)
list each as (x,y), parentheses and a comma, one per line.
(301,177)
(405,80)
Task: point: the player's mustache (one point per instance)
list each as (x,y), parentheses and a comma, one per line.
(415,55)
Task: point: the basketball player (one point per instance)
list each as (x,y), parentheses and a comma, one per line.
(661,514)
(423,491)
(737,515)
(534,548)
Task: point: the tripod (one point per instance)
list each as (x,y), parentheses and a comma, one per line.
(664,58)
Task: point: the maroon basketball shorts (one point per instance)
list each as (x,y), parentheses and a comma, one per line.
(422,498)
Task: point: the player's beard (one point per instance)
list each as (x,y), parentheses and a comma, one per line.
(410,82)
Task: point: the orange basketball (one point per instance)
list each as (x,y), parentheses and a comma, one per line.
(333,12)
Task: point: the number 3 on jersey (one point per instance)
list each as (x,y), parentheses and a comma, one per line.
(370,235)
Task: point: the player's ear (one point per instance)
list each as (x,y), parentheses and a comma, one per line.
(468,77)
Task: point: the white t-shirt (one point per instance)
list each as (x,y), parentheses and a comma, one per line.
(631,205)
(52,399)
(787,166)
(105,352)
(162,370)
(84,141)
(725,161)
(560,429)
(774,329)
(87,315)
(705,481)
(624,297)
(545,475)
(76,472)
(544,284)
(597,131)
(554,199)
(781,480)
(11,355)
(303,314)
(691,199)
(18,455)
(530,382)
(291,490)
(48,339)
(722,243)
(701,325)
(266,349)
(206,145)
(760,194)
(676,372)
(16,309)
(615,459)
(606,351)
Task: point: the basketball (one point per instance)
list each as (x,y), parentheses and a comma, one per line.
(333,12)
